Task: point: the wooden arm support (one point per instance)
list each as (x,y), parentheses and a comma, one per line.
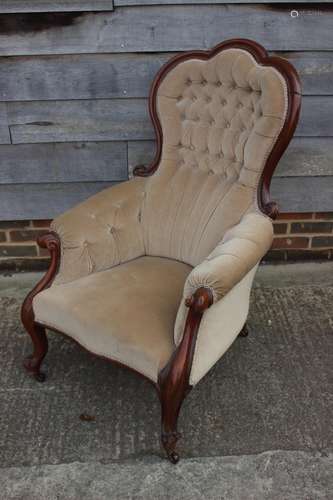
(33,362)
(173,380)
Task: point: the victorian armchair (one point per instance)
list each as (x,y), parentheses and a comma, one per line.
(156,272)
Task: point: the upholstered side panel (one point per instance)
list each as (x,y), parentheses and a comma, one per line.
(101,232)
(219,327)
(220,119)
(241,248)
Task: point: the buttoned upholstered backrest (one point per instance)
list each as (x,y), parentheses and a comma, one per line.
(220,118)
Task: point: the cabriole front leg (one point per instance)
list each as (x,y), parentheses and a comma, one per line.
(173,380)
(33,362)
(37,332)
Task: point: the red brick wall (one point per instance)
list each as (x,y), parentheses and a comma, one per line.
(298,236)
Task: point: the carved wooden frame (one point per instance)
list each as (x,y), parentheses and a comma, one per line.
(261,56)
(173,380)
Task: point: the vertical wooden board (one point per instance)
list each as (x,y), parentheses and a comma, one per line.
(63,162)
(89,120)
(303,194)
(14,6)
(166,28)
(43,201)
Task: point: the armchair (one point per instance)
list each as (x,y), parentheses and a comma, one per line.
(155,273)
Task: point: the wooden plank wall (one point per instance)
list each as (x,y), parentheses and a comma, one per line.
(74,81)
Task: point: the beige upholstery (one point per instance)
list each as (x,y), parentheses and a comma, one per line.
(220,120)
(102,232)
(240,250)
(126,312)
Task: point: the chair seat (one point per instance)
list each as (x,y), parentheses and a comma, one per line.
(126,313)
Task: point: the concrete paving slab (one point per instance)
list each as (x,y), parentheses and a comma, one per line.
(275,475)
(271,390)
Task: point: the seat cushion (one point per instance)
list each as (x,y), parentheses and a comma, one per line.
(126,313)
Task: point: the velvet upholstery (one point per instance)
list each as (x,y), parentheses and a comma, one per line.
(126,313)
(137,242)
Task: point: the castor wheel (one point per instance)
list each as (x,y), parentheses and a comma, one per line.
(173,457)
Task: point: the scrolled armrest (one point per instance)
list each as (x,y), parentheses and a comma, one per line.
(101,232)
(240,250)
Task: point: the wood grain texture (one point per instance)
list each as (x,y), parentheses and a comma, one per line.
(126,3)
(106,76)
(67,162)
(14,6)
(305,156)
(4,130)
(43,201)
(88,120)
(303,194)
(123,119)
(169,28)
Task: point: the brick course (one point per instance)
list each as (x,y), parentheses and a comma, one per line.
(297,237)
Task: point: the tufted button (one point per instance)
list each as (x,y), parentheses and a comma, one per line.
(212,122)
(85,243)
(192,147)
(239,105)
(219,84)
(208,98)
(204,82)
(206,150)
(223,102)
(179,98)
(188,81)
(194,98)
(112,230)
(227,125)
(210,172)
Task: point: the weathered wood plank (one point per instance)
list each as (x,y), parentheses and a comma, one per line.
(40,201)
(303,194)
(63,121)
(4,130)
(166,28)
(14,6)
(316,117)
(305,156)
(67,162)
(315,70)
(122,119)
(105,76)
(87,76)
(43,201)
(127,3)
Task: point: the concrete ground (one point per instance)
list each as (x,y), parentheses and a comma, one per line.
(258,426)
